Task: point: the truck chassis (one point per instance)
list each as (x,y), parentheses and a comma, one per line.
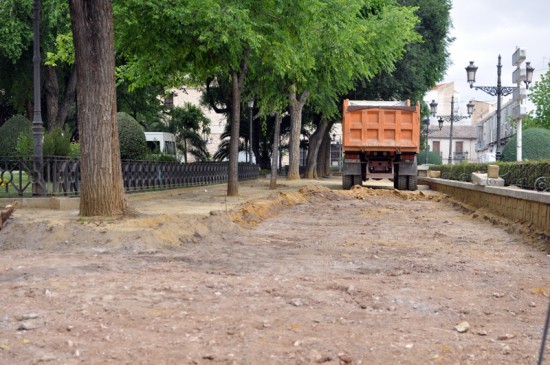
(362,166)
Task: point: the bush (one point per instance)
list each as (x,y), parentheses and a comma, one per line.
(75,150)
(536,145)
(522,174)
(433,158)
(133,145)
(57,142)
(10,134)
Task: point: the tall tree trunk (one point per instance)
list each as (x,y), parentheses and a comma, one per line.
(52,97)
(323,158)
(315,142)
(237,79)
(102,190)
(68,98)
(296,105)
(233,173)
(275,153)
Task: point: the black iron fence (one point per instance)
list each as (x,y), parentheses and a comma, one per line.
(61,175)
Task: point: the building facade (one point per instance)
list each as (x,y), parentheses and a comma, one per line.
(487,131)
(465,134)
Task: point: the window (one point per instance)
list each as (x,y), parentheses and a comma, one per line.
(435,146)
(459,147)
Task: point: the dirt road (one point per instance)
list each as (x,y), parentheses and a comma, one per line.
(299,277)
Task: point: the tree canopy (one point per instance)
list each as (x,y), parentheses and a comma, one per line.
(540,96)
(424,62)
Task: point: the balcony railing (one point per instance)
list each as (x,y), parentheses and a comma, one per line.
(62,175)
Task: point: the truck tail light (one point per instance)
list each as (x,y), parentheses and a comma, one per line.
(352,156)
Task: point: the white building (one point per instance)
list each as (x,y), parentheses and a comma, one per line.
(465,134)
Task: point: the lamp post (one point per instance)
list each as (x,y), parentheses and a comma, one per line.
(433,111)
(452,118)
(250,106)
(499,91)
(37,125)
(426,128)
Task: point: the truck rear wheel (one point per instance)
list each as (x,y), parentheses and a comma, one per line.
(347,182)
(402,183)
(412,183)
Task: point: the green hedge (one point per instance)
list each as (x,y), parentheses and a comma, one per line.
(522,174)
(133,145)
(10,135)
(57,142)
(434,158)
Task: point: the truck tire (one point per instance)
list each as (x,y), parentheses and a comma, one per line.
(402,183)
(412,183)
(357,180)
(347,182)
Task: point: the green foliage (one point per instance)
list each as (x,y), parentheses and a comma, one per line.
(191,128)
(57,142)
(16,54)
(25,145)
(424,62)
(433,158)
(535,145)
(133,145)
(10,132)
(142,104)
(16,29)
(523,174)
(540,96)
(160,157)
(75,150)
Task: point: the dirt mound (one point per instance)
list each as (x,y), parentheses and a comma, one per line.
(145,233)
(251,214)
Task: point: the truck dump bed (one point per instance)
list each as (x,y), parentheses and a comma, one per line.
(381,126)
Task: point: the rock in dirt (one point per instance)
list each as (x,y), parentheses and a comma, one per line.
(30,324)
(462,327)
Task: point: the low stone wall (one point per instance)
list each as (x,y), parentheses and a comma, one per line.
(525,206)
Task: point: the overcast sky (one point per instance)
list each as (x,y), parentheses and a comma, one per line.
(483,29)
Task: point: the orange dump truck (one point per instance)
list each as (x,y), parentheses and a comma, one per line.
(380,140)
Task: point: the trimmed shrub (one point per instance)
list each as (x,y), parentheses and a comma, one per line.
(536,145)
(75,150)
(57,142)
(434,158)
(133,145)
(9,135)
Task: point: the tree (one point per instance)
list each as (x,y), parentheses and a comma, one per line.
(16,46)
(536,145)
(169,41)
(424,62)
(540,96)
(362,41)
(102,189)
(189,124)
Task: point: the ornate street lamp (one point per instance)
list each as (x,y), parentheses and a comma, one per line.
(427,130)
(499,91)
(38,187)
(470,107)
(451,118)
(433,108)
(250,106)
(529,70)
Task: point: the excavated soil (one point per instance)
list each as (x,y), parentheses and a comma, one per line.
(307,274)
